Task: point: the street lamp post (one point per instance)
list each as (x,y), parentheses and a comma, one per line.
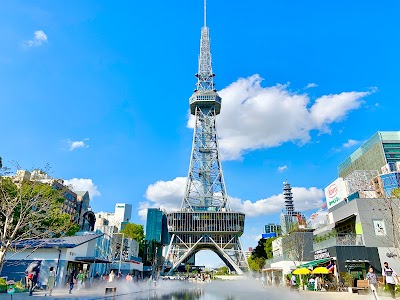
(120,253)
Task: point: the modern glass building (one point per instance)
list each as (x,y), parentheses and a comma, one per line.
(383,148)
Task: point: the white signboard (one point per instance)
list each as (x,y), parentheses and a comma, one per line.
(379,227)
(335,192)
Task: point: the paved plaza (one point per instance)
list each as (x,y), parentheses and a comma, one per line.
(98,294)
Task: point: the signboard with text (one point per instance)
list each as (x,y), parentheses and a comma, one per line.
(321,254)
(335,192)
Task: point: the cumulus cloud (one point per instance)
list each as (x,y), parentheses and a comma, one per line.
(83,184)
(304,199)
(165,194)
(311,85)
(77,144)
(282,168)
(39,38)
(255,117)
(169,194)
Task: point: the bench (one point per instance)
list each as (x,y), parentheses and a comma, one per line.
(111,290)
(362,287)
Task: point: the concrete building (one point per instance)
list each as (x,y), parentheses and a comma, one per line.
(82,207)
(118,218)
(380,151)
(64,254)
(360,233)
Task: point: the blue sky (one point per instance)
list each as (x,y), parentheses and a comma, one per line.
(99,90)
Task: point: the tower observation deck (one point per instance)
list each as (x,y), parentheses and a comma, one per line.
(205,220)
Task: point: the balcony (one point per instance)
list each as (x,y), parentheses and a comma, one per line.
(340,239)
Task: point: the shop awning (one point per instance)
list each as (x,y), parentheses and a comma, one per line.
(92,259)
(314,263)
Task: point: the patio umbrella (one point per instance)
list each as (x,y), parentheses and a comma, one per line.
(301,271)
(321,270)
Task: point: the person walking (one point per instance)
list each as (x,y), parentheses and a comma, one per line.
(389,277)
(80,279)
(72,280)
(51,280)
(33,280)
(372,278)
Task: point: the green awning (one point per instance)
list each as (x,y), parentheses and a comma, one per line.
(314,263)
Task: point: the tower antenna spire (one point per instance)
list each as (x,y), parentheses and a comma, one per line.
(205,13)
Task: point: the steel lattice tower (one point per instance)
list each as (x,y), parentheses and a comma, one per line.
(206,220)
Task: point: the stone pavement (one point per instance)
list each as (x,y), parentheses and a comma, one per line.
(341,296)
(98,294)
(92,294)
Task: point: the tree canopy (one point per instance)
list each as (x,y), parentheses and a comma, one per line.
(135,232)
(30,210)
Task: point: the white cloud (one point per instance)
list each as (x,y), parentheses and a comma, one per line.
(83,184)
(77,144)
(39,38)
(304,199)
(311,85)
(169,194)
(282,168)
(255,117)
(350,143)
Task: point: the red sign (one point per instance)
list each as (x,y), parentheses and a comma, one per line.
(332,190)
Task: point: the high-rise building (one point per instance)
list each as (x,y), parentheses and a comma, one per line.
(379,153)
(273,228)
(290,218)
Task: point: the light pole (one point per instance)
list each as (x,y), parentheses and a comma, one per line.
(121,248)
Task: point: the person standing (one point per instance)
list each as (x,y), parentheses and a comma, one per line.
(293,282)
(111,276)
(72,280)
(389,278)
(51,280)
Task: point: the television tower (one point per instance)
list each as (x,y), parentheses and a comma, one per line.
(205,220)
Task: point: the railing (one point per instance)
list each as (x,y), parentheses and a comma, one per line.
(340,240)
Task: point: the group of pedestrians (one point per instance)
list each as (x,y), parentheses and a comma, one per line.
(78,278)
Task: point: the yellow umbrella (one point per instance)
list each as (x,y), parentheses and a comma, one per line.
(301,271)
(321,270)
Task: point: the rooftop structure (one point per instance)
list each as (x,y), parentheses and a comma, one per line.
(382,149)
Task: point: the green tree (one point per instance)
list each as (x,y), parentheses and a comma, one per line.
(187,268)
(135,232)
(259,250)
(222,271)
(29,210)
(268,248)
(256,263)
